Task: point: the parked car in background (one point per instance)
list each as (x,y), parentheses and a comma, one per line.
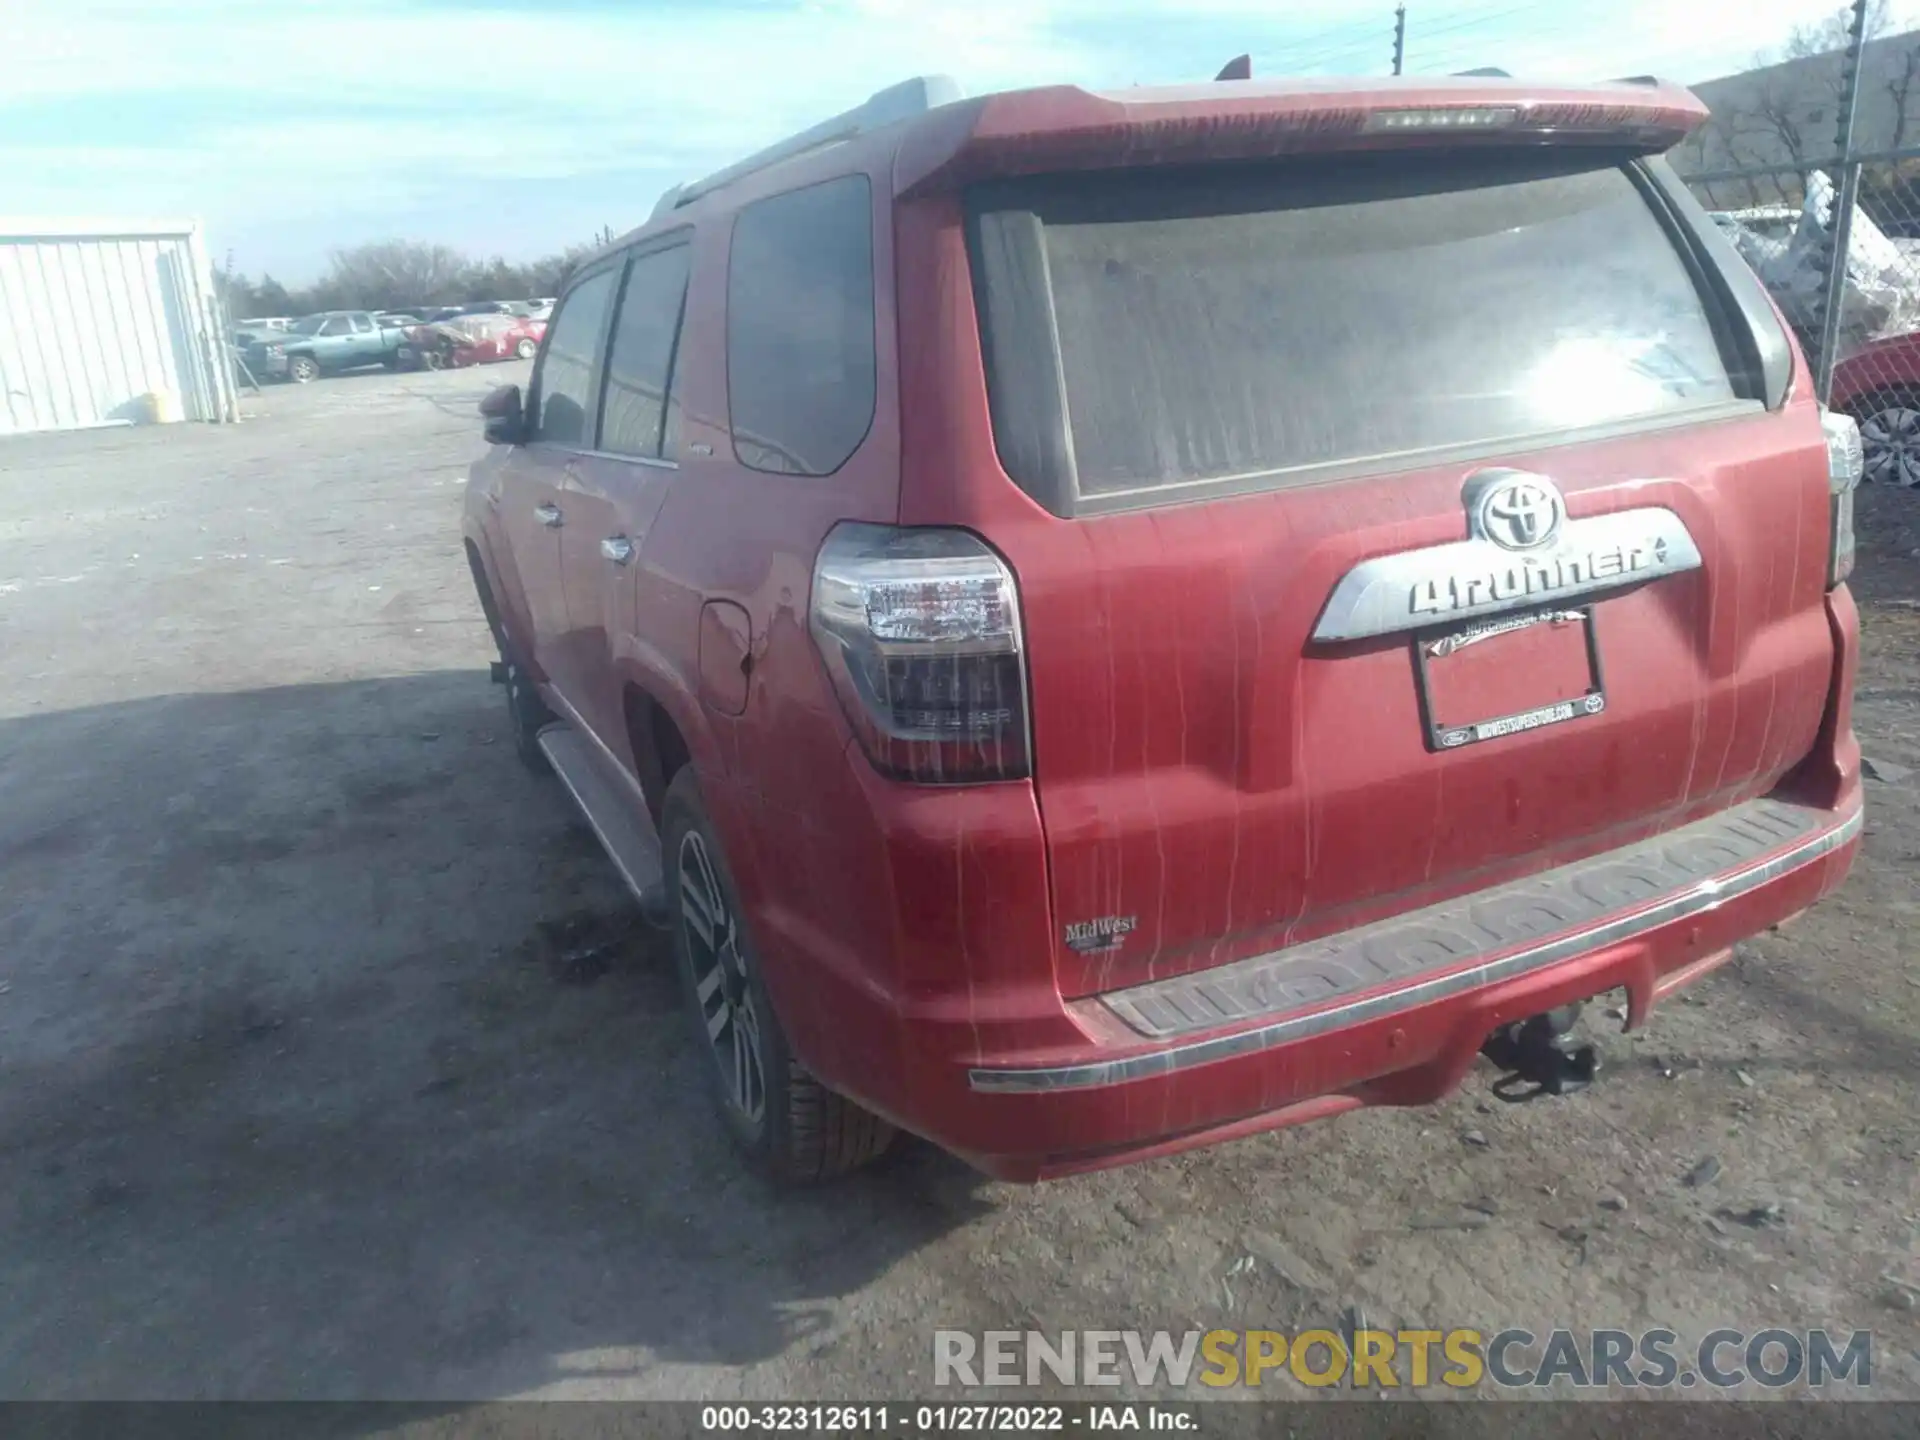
(493,307)
(471,340)
(1107,622)
(1879,385)
(316,345)
(1876,375)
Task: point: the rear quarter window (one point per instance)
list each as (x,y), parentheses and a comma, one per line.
(1221,324)
(800,318)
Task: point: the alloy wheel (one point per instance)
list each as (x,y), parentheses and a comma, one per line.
(1890,439)
(722,986)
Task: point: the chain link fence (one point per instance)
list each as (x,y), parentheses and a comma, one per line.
(1782,219)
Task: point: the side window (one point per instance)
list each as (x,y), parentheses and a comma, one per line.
(564,384)
(800,349)
(336,326)
(362,324)
(640,363)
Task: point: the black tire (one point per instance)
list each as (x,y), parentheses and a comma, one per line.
(302,369)
(801,1132)
(525,349)
(528,714)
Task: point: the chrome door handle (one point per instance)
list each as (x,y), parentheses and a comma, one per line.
(548,515)
(617,548)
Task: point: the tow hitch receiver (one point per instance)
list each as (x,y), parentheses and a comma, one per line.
(1537,1059)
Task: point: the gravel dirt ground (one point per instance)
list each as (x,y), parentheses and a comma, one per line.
(333,1063)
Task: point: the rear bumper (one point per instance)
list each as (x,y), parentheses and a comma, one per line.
(1391,1014)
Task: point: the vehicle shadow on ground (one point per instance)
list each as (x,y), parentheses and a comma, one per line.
(333,1064)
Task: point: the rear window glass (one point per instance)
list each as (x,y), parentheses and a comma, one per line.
(1200,325)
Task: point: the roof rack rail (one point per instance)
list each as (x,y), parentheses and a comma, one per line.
(884,107)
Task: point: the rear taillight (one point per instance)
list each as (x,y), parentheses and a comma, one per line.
(1845,466)
(920,630)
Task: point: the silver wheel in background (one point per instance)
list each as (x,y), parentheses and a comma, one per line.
(1890,440)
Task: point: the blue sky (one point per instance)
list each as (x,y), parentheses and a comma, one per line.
(517,127)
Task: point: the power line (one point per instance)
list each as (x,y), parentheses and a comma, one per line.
(1357,42)
(1359,57)
(1465,47)
(1462,20)
(1350,28)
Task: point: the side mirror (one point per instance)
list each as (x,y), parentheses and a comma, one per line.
(506,423)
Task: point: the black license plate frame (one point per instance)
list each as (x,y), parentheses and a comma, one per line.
(1438,643)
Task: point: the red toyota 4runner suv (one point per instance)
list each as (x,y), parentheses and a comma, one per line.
(1107,622)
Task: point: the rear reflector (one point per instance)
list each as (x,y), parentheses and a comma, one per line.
(1468,117)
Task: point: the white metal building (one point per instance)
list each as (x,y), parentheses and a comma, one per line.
(103,323)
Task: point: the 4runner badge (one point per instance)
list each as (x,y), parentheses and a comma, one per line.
(1521,551)
(1097,937)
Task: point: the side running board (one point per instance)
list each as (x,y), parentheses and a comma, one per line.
(612,809)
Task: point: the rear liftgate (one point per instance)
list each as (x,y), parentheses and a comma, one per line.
(1499,674)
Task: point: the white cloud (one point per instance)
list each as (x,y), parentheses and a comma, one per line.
(354,108)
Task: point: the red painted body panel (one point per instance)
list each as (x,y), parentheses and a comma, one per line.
(603,499)
(1200,766)
(529,478)
(1892,364)
(1063,127)
(726,656)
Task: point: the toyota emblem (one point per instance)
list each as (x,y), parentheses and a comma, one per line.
(1514,509)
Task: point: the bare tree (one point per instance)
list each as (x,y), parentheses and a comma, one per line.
(1830,35)
(390,273)
(1902,75)
(1777,116)
(403,274)
(1793,114)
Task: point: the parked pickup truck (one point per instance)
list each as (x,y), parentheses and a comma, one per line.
(317,344)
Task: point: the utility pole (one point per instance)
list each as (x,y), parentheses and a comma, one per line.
(1840,212)
(1399,36)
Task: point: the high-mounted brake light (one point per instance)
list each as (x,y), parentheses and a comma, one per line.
(920,632)
(1845,466)
(1460,117)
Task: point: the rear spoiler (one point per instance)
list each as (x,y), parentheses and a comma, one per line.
(1063,127)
